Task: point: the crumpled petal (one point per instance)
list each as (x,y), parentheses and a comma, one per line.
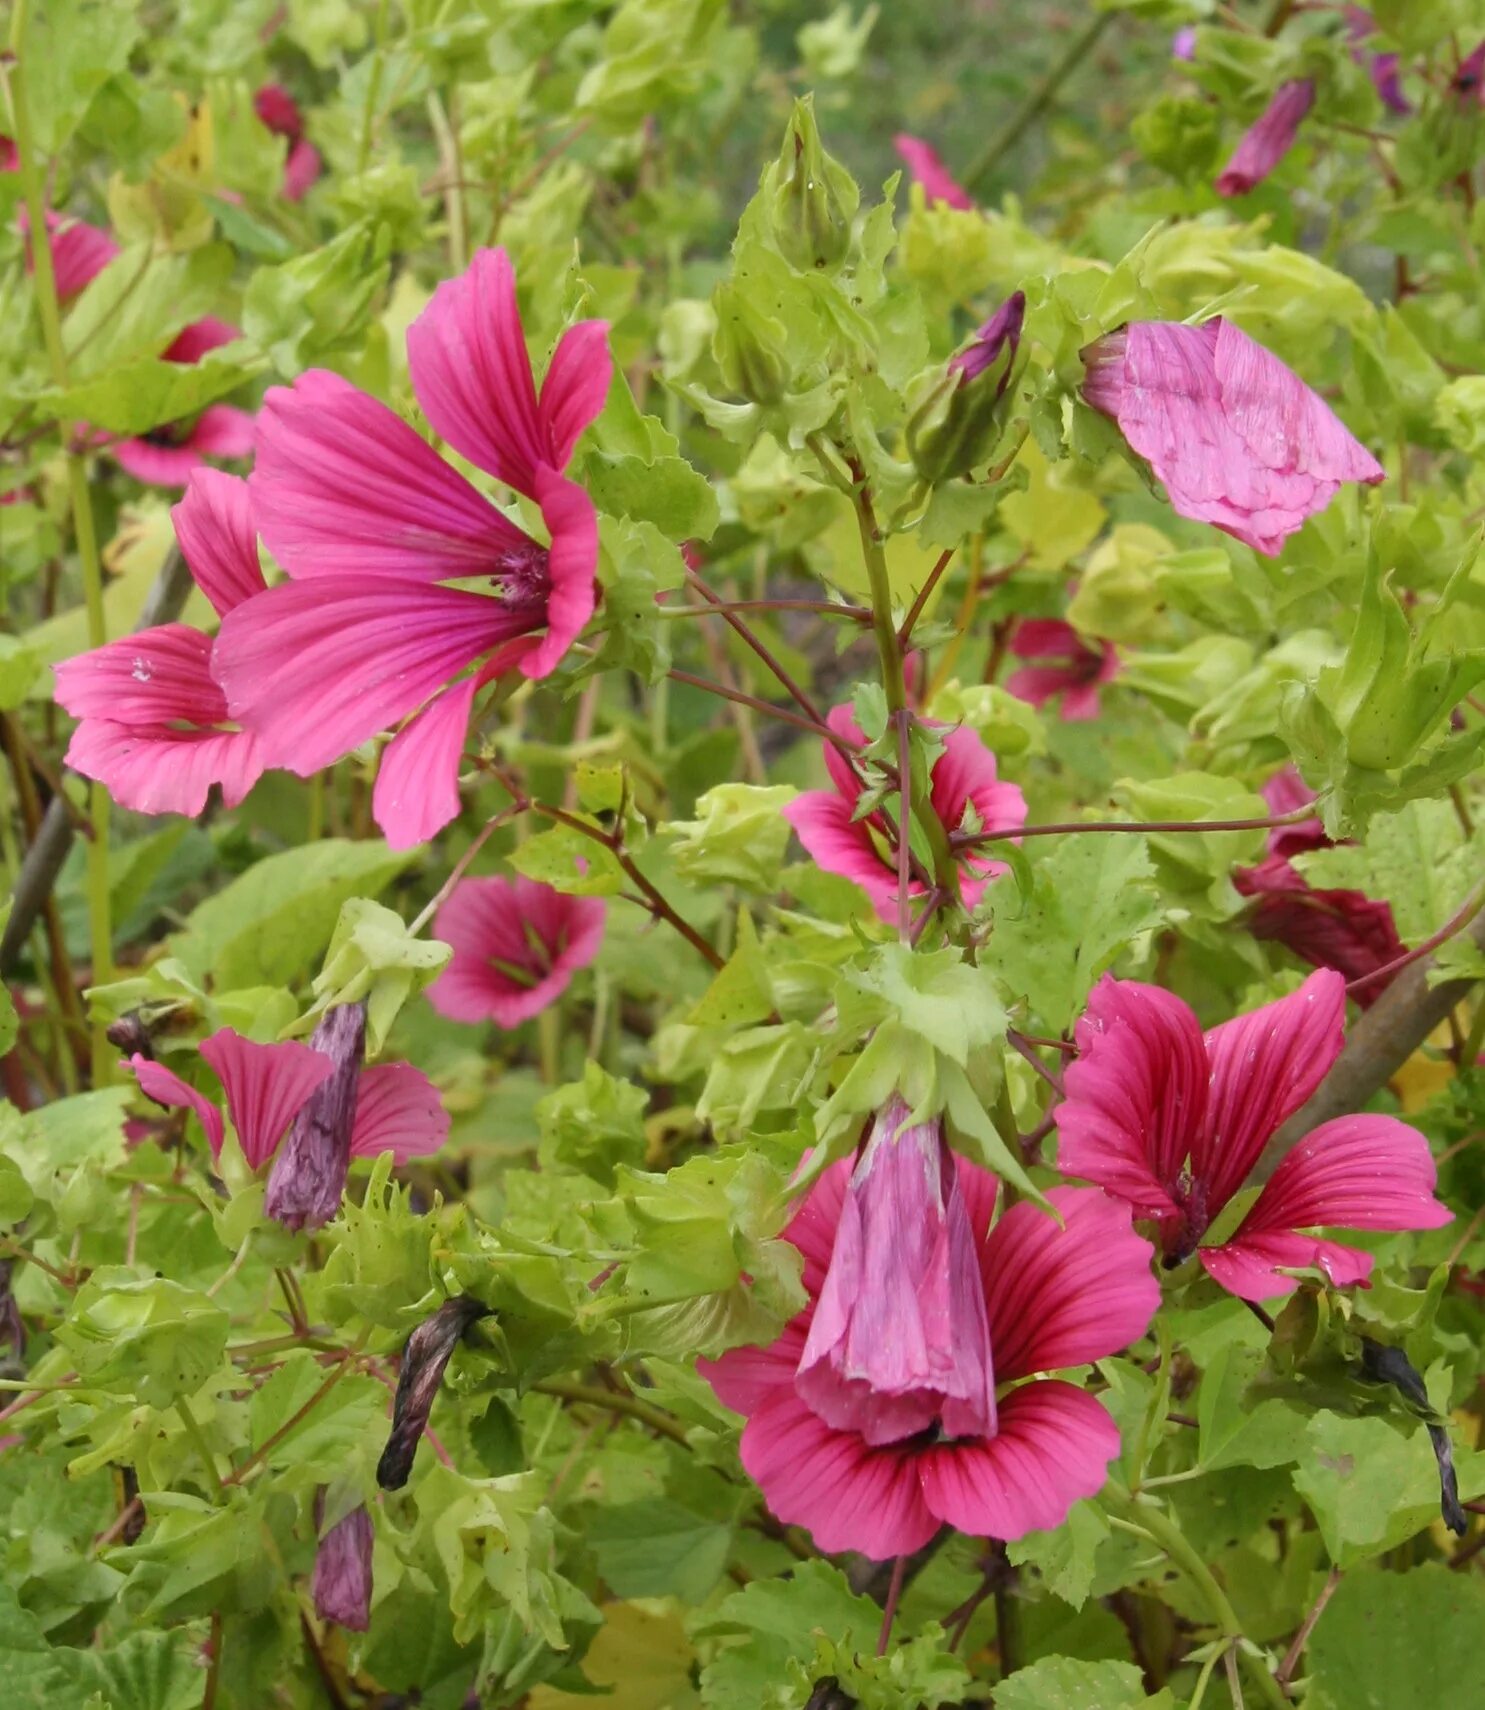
(342,1575)
(398,1110)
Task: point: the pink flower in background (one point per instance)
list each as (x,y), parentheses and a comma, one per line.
(1468,82)
(1384,69)
(279,111)
(516,943)
(1183,43)
(1070,666)
(372,526)
(1174,1122)
(168,455)
(964,778)
(397,1108)
(920,1443)
(1268,140)
(80,252)
(1238,439)
(341,1585)
(154,723)
(922,160)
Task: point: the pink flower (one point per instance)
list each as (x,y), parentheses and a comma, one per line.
(964,778)
(517,944)
(277,109)
(1238,439)
(1466,82)
(1072,667)
(267,1088)
(1285,793)
(1183,43)
(926,1445)
(168,455)
(1268,140)
(1174,1123)
(80,252)
(342,1578)
(371,525)
(154,724)
(922,160)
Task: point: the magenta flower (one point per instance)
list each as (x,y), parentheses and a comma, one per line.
(938,1451)
(80,252)
(1384,69)
(1174,1123)
(964,782)
(1238,439)
(1070,666)
(922,160)
(372,526)
(279,111)
(1285,793)
(268,1088)
(341,1585)
(168,455)
(154,724)
(1183,43)
(516,943)
(1467,81)
(1268,140)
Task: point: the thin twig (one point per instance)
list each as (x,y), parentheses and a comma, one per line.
(915,611)
(1450,929)
(786,682)
(1285,1671)
(1069,828)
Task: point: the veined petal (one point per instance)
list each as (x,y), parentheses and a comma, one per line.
(846,1495)
(926,166)
(1354,1172)
(575,388)
(214,525)
(842,845)
(417,787)
(167,1088)
(266,1086)
(812,1227)
(744,1378)
(1136,1093)
(317,667)
(398,1110)
(572,564)
(156,769)
(1264,1065)
(1246,1265)
(1061,1296)
(341,485)
(467,356)
(155,677)
(1053,1449)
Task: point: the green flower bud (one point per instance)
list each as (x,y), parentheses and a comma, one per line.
(954,427)
(811,196)
(749,348)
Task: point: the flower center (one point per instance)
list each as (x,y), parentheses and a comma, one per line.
(1181,1235)
(522,575)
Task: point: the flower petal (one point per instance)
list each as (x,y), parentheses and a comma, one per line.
(847,1496)
(167,1088)
(1245,1266)
(1061,1296)
(1264,1065)
(417,786)
(266,1086)
(575,388)
(744,1378)
(342,485)
(1136,1092)
(398,1110)
(157,769)
(923,161)
(842,845)
(214,525)
(572,564)
(1354,1172)
(1268,139)
(1053,1449)
(812,1227)
(155,676)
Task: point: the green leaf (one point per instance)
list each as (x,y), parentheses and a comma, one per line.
(658,1549)
(146,392)
(949,1004)
(139,302)
(71,49)
(1066,1557)
(151,1338)
(1061,1683)
(19,669)
(1233,1430)
(593,1125)
(569,861)
(316,305)
(1400,1641)
(271,922)
(738,837)
(374,959)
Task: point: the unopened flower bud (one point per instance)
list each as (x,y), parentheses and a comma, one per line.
(309,1173)
(749,348)
(342,1576)
(957,424)
(423,1360)
(813,197)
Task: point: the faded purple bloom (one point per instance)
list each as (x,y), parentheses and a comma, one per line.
(1183,43)
(423,1360)
(1269,139)
(342,1576)
(1002,332)
(309,1173)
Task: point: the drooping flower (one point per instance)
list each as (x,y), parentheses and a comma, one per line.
(279,111)
(341,1585)
(872,1443)
(168,455)
(154,724)
(956,425)
(372,526)
(517,943)
(1069,666)
(266,1088)
(1269,139)
(1174,1123)
(1238,439)
(1342,929)
(424,1360)
(923,161)
(964,781)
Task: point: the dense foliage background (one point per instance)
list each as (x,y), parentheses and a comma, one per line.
(195,1397)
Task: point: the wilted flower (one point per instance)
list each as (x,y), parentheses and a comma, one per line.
(957,424)
(516,943)
(1071,666)
(427,1353)
(342,1576)
(874,1419)
(1238,439)
(309,1174)
(1268,140)
(923,161)
(168,455)
(374,527)
(1174,1123)
(153,719)
(964,782)
(279,111)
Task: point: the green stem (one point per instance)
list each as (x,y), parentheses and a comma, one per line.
(202,1447)
(889,648)
(590,1395)
(1038,99)
(49,313)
